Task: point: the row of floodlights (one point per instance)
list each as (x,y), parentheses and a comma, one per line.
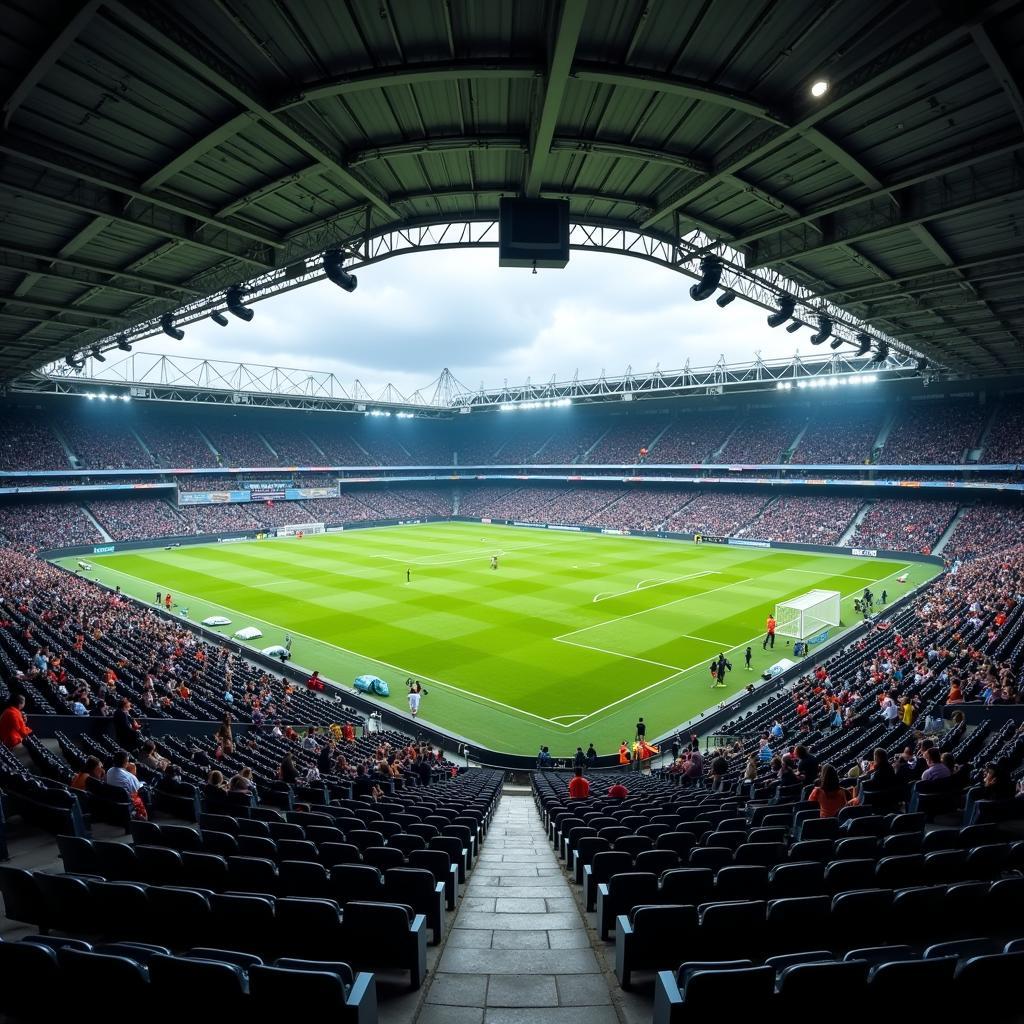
(233,300)
(827,382)
(548,403)
(710,277)
(103,397)
(385,412)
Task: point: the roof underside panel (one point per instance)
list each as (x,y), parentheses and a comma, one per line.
(152,153)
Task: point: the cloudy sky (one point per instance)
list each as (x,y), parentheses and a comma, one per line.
(415,314)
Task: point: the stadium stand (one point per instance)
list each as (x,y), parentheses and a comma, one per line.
(903,525)
(29,443)
(44,523)
(104,445)
(840,435)
(138,519)
(692,439)
(1005,442)
(716,513)
(763,436)
(984,529)
(622,441)
(940,433)
(803,520)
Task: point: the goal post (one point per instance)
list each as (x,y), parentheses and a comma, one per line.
(807,615)
(304,528)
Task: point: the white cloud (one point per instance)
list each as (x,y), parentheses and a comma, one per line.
(413,315)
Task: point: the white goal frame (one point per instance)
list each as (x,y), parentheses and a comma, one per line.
(303,528)
(809,614)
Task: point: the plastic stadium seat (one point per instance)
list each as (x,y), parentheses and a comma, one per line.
(620,894)
(841,875)
(78,855)
(812,849)
(741,882)
(273,989)
(355,882)
(302,878)
(339,853)
(736,927)
(383,857)
(116,860)
(766,854)
(90,972)
(601,869)
(225,956)
(176,980)
(745,991)
(656,861)
(790,921)
(205,870)
(895,872)
(252,874)
(796,878)
(221,843)
(872,955)
(308,927)
(963,948)
(296,849)
(158,866)
(439,864)
(417,888)
(713,857)
(245,922)
(817,984)
(376,935)
(35,968)
(257,846)
(679,842)
(889,982)
(649,938)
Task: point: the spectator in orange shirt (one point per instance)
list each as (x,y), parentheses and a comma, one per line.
(769,635)
(13,727)
(579,787)
(618,791)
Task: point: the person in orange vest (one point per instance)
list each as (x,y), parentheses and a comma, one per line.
(769,636)
(167,601)
(13,727)
(624,755)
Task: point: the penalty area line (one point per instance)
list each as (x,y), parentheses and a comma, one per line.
(651,584)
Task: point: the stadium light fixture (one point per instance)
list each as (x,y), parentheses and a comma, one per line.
(97,354)
(167,326)
(219,318)
(710,275)
(233,297)
(124,344)
(725,298)
(922,364)
(75,364)
(864,343)
(787,305)
(795,326)
(819,88)
(881,351)
(835,343)
(824,331)
(333,260)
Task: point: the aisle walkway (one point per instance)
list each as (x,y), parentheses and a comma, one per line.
(519,950)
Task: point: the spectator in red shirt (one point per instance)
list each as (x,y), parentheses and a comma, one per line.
(579,787)
(617,791)
(13,727)
(830,797)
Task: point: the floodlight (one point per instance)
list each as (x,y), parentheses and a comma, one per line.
(725,298)
(922,364)
(787,304)
(97,354)
(75,364)
(864,341)
(124,344)
(167,326)
(881,352)
(819,88)
(795,326)
(836,343)
(824,331)
(336,273)
(233,298)
(219,318)
(710,275)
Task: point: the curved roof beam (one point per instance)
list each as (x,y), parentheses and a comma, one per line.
(152,23)
(679,86)
(426,73)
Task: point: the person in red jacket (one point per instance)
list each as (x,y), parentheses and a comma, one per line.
(13,727)
(579,787)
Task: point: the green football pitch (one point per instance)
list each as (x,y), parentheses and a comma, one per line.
(570,639)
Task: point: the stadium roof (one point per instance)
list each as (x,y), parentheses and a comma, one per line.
(151,155)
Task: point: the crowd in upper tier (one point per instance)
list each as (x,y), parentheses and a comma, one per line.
(136,436)
(898,524)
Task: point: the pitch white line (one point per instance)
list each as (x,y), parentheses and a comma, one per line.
(481,554)
(604,595)
(346,650)
(618,654)
(813,572)
(752,640)
(653,608)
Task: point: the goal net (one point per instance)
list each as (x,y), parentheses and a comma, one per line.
(808,614)
(304,528)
